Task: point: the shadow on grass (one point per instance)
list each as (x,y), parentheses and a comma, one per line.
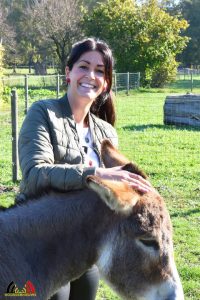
(186,213)
(160,126)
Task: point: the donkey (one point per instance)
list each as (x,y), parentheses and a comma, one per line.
(54,239)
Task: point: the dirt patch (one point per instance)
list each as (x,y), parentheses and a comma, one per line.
(6,189)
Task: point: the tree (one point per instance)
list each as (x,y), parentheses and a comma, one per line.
(57,23)
(191,11)
(143,37)
(15,19)
(92,3)
(30,49)
(7,33)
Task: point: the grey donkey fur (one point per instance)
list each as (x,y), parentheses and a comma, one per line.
(57,237)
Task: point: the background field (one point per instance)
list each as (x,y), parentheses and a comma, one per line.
(170,155)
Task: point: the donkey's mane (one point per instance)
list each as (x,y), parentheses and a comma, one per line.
(21,199)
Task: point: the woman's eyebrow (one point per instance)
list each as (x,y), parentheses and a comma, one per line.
(86,61)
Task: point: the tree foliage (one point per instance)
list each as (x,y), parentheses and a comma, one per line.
(45,30)
(142,34)
(19,53)
(143,37)
(7,33)
(57,23)
(190,10)
(92,3)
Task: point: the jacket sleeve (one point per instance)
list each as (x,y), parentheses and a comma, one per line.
(36,157)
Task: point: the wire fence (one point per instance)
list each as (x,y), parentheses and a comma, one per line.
(41,87)
(31,88)
(188,71)
(134,113)
(189,79)
(34,87)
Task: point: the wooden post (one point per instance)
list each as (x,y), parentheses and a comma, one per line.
(26,94)
(14,118)
(58,85)
(138,84)
(191,81)
(127,84)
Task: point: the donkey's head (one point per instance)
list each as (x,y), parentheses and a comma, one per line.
(137,257)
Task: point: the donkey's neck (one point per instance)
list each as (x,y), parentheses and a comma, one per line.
(60,235)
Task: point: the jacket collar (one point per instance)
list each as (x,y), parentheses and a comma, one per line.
(66,109)
(67,113)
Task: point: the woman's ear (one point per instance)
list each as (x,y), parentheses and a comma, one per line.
(105,86)
(67,71)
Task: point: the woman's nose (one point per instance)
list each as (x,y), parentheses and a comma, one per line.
(91,74)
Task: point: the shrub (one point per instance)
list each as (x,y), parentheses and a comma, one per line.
(144,38)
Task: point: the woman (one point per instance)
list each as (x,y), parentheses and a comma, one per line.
(59,143)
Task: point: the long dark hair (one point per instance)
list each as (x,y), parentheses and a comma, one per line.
(103,106)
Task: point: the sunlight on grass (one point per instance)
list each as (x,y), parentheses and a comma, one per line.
(170,155)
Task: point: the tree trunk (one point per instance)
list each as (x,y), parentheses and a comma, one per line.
(40,68)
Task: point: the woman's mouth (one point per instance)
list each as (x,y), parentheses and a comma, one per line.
(88,85)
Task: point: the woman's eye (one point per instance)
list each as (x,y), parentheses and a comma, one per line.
(100,71)
(83,67)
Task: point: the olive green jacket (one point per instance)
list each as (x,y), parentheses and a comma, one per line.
(50,153)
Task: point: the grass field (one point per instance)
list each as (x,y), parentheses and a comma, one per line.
(170,155)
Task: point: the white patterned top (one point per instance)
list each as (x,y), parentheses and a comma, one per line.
(91,158)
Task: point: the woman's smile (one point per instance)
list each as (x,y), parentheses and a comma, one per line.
(88,85)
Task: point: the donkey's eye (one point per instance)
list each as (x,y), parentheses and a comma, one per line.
(150,243)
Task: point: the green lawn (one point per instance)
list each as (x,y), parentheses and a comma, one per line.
(170,155)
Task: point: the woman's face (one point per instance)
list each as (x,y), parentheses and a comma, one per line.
(87,77)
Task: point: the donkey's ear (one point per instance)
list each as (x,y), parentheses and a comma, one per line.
(119,196)
(133,168)
(112,158)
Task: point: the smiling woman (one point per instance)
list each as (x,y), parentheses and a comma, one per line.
(60,141)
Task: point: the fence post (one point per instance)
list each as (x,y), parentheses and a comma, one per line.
(26,94)
(58,85)
(127,84)
(14,118)
(191,81)
(138,85)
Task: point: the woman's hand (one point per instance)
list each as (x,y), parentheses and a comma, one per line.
(134,180)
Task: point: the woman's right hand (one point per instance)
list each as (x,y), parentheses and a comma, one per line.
(117,173)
